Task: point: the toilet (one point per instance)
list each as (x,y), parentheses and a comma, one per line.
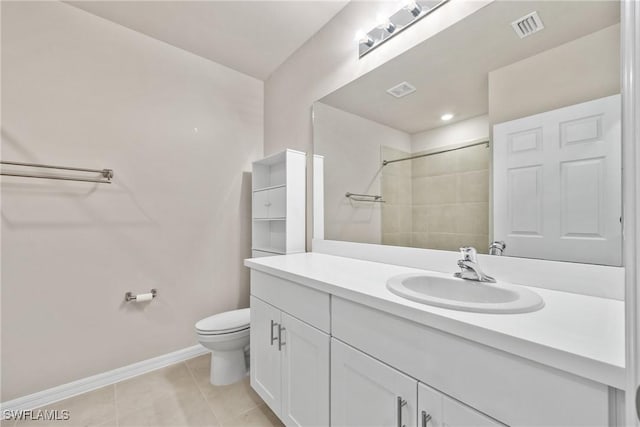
(227,336)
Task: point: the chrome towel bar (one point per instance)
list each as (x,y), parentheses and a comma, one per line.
(364,197)
(107,174)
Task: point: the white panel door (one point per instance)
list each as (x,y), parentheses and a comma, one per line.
(365,392)
(437,410)
(305,374)
(557,184)
(265,355)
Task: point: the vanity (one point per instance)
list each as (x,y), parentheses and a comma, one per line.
(331,345)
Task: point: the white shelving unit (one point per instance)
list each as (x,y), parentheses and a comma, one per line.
(278,208)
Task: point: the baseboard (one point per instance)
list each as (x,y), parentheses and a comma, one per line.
(55,394)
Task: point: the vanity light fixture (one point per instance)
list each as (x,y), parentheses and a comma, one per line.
(411,12)
(446,117)
(413,7)
(385,23)
(363,39)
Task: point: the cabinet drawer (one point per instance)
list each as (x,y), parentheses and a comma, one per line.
(306,304)
(511,389)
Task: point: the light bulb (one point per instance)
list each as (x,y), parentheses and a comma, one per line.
(385,23)
(363,38)
(446,117)
(413,7)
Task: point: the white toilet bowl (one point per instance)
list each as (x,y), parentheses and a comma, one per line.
(227,336)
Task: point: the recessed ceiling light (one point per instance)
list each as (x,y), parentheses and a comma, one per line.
(446,117)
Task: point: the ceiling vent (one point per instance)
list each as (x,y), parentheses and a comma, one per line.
(403,89)
(528,25)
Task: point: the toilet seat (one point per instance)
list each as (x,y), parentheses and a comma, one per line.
(224,323)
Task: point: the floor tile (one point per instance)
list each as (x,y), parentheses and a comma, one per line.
(173,382)
(229,401)
(183,410)
(7,423)
(257,417)
(94,408)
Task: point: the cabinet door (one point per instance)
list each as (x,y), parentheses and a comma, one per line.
(265,356)
(277,202)
(260,205)
(365,392)
(437,410)
(305,374)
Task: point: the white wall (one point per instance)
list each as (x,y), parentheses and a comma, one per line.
(78,90)
(351,147)
(329,60)
(454,134)
(581,70)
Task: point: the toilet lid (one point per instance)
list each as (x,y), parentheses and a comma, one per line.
(229,321)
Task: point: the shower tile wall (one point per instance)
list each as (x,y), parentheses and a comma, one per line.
(396,185)
(450,200)
(437,202)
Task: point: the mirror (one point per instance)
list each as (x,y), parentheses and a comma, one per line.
(480,135)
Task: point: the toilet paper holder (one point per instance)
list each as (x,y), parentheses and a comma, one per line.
(129,296)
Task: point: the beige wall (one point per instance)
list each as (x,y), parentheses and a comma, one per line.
(450,200)
(78,90)
(351,148)
(581,70)
(463,131)
(396,191)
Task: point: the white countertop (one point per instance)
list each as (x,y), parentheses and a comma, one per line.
(580,334)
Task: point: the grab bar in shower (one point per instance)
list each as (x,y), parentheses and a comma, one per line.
(107,174)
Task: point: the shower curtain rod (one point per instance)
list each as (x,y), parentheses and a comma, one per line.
(107,174)
(471,144)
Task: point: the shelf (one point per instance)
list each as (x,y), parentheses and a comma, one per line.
(269,188)
(271,251)
(270,219)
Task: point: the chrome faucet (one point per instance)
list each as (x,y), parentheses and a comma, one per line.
(470,268)
(497,247)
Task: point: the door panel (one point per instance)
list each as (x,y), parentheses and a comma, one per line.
(438,410)
(365,392)
(305,374)
(557,184)
(265,357)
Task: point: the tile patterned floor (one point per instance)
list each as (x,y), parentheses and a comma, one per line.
(179,395)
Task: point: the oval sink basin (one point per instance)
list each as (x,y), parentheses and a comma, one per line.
(465,295)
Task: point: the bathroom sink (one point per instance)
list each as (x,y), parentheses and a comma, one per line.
(465,295)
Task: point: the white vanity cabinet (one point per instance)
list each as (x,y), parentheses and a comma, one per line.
(438,410)
(318,360)
(365,392)
(290,357)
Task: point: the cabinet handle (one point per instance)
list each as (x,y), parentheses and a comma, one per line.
(400,403)
(280,343)
(267,204)
(425,418)
(273,338)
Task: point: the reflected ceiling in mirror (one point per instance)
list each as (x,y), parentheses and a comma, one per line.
(530,152)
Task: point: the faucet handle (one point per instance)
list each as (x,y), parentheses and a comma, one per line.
(469,253)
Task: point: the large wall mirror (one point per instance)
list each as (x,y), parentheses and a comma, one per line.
(503,127)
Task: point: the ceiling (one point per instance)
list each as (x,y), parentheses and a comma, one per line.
(253,37)
(450,70)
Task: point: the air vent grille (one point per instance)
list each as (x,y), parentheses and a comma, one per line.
(402,89)
(528,25)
